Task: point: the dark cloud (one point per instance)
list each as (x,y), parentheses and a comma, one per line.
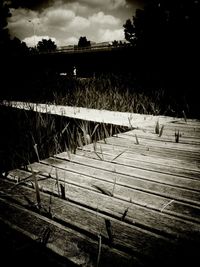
(137,3)
(30,4)
(37,4)
(67,20)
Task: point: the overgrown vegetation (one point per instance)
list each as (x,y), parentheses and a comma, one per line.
(111,92)
(28,136)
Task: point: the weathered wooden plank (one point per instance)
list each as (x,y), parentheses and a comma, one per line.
(164,152)
(174,122)
(171,129)
(102,116)
(107,153)
(70,177)
(17,249)
(138,191)
(191,125)
(173,146)
(64,241)
(194,148)
(163,222)
(191,168)
(165,137)
(96,164)
(146,191)
(125,236)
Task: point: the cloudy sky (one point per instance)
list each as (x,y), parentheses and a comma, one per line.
(64,21)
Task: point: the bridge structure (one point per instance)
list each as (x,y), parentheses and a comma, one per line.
(87,60)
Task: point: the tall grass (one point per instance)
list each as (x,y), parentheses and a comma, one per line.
(111,92)
(28,136)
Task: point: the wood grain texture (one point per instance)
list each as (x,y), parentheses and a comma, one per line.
(136,192)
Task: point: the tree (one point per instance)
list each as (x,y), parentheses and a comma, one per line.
(17,47)
(4,34)
(129,31)
(46,46)
(116,43)
(166,45)
(165,25)
(83,42)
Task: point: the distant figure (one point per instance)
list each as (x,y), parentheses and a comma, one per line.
(74,71)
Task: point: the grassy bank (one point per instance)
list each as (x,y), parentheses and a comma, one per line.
(111,92)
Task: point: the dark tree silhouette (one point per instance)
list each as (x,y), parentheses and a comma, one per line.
(116,43)
(17,47)
(165,25)
(166,36)
(4,34)
(83,42)
(46,45)
(9,46)
(129,31)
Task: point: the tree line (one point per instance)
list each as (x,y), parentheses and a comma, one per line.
(164,36)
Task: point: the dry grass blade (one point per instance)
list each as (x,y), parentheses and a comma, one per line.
(45,237)
(68,154)
(65,128)
(99,250)
(62,189)
(114,186)
(157,127)
(79,140)
(94,145)
(184,115)
(119,155)
(161,131)
(57,181)
(101,152)
(124,214)
(22,181)
(105,130)
(111,130)
(98,155)
(37,191)
(95,128)
(136,138)
(167,204)
(130,124)
(109,230)
(36,152)
(50,206)
(102,190)
(177,135)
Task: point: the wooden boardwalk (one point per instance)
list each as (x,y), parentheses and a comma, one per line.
(129,200)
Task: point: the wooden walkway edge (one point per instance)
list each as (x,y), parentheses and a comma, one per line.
(129,200)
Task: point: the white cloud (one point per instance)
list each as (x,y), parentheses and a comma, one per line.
(78,24)
(33,40)
(110,4)
(66,21)
(23,23)
(79,9)
(102,19)
(70,41)
(21,13)
(58,17)
(110,35)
